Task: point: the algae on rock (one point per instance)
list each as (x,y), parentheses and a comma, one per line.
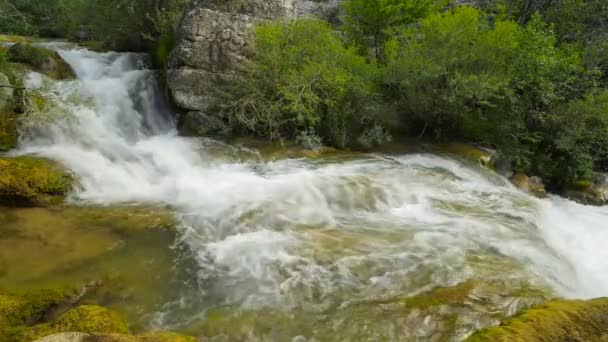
(559,320)
(20,309)
(28,181)
(42,60)
(86,318)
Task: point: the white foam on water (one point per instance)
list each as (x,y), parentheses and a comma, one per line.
(296,233)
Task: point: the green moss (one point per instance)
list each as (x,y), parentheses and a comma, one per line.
(86,318)
(42,60)
(27,181)
(582,184)
(163,336)
(467,152)
(560,320)
(8,38)
(18,309)
(8,131)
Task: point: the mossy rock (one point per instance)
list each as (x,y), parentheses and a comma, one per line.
(591,194)
(19,309)
(468,152)
(560,320)
(532,185)
(27,181)
(11,38)
(8,131)
(86,319)
(42,60)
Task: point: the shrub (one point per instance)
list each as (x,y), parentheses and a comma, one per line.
(304,81)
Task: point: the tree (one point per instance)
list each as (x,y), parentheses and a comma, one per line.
(460,75)
(370,19)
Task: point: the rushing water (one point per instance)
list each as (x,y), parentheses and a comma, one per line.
(315,248)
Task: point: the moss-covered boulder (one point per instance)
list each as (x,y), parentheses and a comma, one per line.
(589,193)
(560,320)
(42,60)
(27,181)
(532,185)
(468,152)
(86,318)
(20,309)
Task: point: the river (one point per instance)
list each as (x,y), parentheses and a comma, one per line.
(334,248)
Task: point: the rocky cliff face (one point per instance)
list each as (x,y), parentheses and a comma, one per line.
(214,42)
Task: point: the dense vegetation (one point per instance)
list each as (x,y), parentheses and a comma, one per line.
(525,77)
(117,24)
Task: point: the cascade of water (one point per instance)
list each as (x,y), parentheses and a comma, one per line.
(309,234)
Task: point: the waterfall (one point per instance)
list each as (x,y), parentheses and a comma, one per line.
(311,234)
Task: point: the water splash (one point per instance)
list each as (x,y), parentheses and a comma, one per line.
(303,235)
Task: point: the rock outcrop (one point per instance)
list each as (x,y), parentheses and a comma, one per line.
(214,43)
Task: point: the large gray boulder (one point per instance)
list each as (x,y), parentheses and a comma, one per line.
(214,43)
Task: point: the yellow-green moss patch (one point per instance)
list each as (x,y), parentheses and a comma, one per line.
(8,131)
(19,309)
(86,318)
(560,320)
(11,38)
(42,60)
(27,181)
(468,152)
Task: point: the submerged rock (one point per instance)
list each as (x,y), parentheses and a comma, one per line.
(28,181)
(42,60)
(560,320)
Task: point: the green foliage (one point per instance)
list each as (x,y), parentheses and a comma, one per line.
(120,24)
(366,21)
(303,81)
(572,141)
(458,75)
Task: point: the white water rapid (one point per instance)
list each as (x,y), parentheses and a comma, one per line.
(310,237)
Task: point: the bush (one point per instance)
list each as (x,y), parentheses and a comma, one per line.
(304,81)
(572,142)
